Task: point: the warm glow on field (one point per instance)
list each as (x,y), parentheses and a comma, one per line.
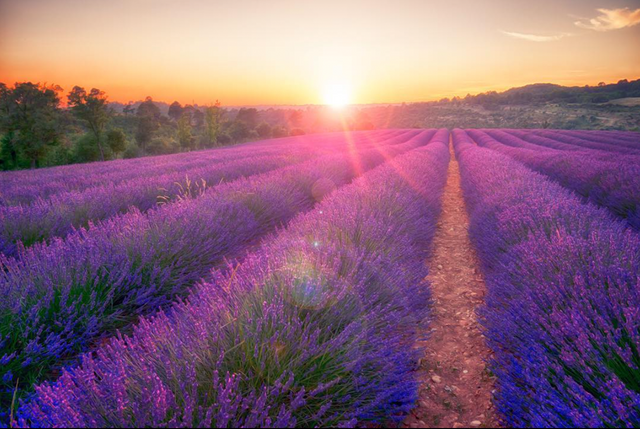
(337,95)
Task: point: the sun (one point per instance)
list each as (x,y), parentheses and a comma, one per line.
(337,95)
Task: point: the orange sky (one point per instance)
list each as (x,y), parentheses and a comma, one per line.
(287,51)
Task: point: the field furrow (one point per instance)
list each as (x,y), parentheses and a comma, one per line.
(456,383)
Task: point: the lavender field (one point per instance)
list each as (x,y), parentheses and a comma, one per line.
(291,282)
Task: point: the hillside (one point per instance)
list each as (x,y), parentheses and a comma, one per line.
(539,105)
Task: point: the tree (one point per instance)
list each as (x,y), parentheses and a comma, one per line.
(91,108)
(149,108)
(8,152)
(117,140)
(185,137)
(128,109)
(162,145)
(224,139)
(85,149)
(29,117)
(238,131)
(279,131)
(264,130)
(249,116)
(175,111)
(197,117)
(148,115)
(295,119)
(212,122)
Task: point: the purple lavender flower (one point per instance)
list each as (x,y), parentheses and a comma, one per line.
(63,297)
(295,335)
(563,281)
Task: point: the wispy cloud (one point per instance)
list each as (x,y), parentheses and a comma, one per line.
(536,37)
(611,19)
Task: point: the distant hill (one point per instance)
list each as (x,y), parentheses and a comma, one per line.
(551,93)
(536,93)
(542,105)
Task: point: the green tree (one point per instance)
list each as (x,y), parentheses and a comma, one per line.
(197,117)
(91,108)
(175,111)
(239,131)
(8,152)
(30,118)
(162,145)
(117,140)
(212,122)
(249,116)
(128,109)
(85,148)
(264,130)
(279,131)
(185,136)
(148,115)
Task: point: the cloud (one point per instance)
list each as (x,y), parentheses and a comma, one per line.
(535,37)
(611,19)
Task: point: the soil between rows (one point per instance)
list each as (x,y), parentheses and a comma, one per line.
(456,385)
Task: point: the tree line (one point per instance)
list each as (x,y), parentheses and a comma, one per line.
(41,126)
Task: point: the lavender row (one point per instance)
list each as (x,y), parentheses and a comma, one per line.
(23,226)
(314,329)
(560,141)
(614,185)
(587,140)
(526,139)
(608,136)
(61,214)
(550,141)
(562,312)
(62,297)
(22,188)
(25,187)
(536,142)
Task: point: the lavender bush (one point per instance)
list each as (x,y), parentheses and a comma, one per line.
(60,214)
(313,329)
(562,313)
(615,185)
(24,187)
(616,138)
(568,141)
(555,140)
(62,297)
(22,226)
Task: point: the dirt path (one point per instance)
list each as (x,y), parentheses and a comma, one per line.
(456,389)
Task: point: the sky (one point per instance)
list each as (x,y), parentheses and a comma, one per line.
(258,52)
